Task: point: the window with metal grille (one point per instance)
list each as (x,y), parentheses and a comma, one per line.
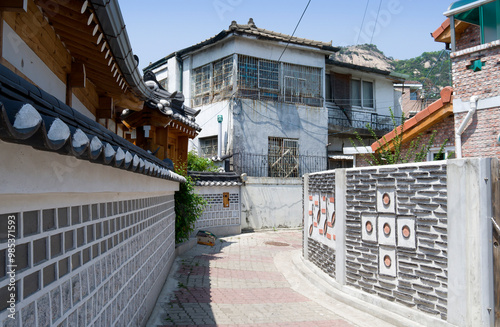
(302,84)
(201,85)
(270,80)
(283,157)
(208,147)
(213,81)
(223,76)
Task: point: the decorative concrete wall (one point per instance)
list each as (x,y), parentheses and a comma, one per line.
(216,218)
(93,244)
(412,238)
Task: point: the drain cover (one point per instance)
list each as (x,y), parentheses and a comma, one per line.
(277,243)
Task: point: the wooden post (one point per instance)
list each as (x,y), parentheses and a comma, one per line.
(78,76)
(106,107)
(69,91)
(495,196)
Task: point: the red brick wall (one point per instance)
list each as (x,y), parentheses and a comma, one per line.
(479,138)
(469,38)
(484,83)
(444,130)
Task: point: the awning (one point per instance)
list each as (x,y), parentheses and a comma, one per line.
(341,157)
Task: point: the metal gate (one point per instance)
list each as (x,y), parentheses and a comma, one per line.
(495,194)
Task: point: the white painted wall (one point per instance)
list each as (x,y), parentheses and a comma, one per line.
(207,119)
(271,203)
(20,55)
(255,121)
(29,171)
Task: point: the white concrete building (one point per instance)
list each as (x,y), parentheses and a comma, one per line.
(270,90)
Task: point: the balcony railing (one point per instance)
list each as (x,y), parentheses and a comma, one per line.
(358,119)
(263,165)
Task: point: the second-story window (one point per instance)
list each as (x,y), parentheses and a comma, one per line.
(258,79)
(362,93)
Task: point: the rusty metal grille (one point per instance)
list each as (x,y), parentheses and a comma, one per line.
(208,147)
(302,84)
(223,77)
(283,157)
(270,80)
(201,85)
(213,81)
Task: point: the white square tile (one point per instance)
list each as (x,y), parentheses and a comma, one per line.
(406,232)
(387,261)
(387,230)
(386,200)
(369,227)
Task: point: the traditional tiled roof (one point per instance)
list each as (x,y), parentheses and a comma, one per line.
(31,116)
(426,118)
(396,77)
(215,179)
(251,30)
(170,104)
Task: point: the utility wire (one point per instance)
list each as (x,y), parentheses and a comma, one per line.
(363,21)
(294,30)
(376,22)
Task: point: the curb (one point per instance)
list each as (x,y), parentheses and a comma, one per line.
(392,313)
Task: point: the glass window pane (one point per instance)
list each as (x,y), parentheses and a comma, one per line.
(367,94)
(356,92)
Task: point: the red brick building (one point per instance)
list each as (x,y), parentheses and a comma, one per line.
(474,37)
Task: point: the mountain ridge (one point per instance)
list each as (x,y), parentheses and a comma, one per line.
(432,69)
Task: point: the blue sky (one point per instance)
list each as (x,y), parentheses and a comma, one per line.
(157,28)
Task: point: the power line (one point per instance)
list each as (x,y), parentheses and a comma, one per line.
(376,22)
(363,21)
(296,26)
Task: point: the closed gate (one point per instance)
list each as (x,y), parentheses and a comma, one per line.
(495,174)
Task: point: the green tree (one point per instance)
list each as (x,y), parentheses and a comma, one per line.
(188,205)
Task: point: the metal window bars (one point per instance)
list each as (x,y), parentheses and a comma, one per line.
(283,156)
(213,81)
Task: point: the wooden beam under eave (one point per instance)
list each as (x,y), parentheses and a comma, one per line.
(14,5)
(106,107)
(129,103)
(78,76)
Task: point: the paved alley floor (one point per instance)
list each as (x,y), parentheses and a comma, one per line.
(249,280)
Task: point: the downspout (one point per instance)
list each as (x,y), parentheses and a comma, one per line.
(460,130)
(181,68)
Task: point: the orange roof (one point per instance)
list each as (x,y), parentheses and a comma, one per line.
(441,29)
(426,118)
(443,32)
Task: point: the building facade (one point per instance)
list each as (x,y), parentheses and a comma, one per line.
(274,95)
(472,32)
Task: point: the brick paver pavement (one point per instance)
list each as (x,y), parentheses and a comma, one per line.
(237,283)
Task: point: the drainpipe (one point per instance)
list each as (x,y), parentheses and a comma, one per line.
(458,134)
(219,139)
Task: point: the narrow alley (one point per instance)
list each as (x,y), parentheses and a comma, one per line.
(250,280)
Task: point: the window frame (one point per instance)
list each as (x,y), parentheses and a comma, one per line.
(214,145)
(361,94)
(285,162)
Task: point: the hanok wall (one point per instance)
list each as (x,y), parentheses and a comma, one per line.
(398,236)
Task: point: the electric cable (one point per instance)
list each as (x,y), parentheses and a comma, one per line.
(286,46)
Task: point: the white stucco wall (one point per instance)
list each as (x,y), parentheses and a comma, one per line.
(255,121)
(20,55)
(271,203)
